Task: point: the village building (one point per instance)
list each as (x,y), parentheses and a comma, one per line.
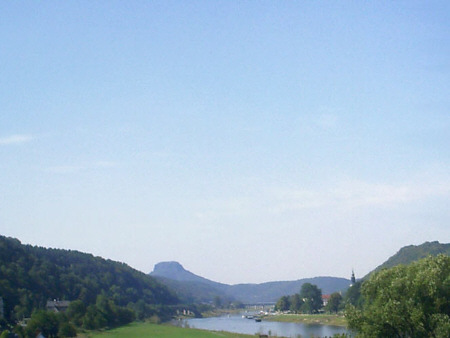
(325,299)
(57,305)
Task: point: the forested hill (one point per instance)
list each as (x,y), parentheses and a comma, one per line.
(412,253)
(30,275)
(193,288)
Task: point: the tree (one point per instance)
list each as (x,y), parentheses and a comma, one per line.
(217,302)
(353,295)
(140,309)
(67,330)
(405,301)
(312,298)
(282,304)
(5,334)
(45,322)
(295,303)
(93,319)
(76,311)
(334,302)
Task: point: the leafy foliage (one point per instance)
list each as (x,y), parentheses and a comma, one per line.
(283,304)
(29,276)
(334,303)
(104,313)
(312,298)
(353,295)
(405,301)
(44,322)
(309,300)
(296,303)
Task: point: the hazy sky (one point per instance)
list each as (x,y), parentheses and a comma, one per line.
(251,141)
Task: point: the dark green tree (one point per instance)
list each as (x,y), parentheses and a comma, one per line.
(76,312)
(312,298)
(405,301)
(334,302)
(94,319)
(295,303)
(140,309)
(282,304)
(44,322)
(353,295)
(67,330)
(106,308)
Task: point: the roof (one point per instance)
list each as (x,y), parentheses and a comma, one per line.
(58,305)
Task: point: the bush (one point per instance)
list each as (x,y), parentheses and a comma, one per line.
(67,330)
(405,301)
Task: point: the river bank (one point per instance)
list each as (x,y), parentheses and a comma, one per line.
(319,319)
(271,325)
(232,325)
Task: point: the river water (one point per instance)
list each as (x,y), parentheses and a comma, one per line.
(237,324)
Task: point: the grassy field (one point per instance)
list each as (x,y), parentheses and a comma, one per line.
(156,331)
(324,319)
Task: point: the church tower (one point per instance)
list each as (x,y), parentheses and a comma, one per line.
(353,279)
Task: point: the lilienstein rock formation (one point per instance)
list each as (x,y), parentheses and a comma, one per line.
(193,288)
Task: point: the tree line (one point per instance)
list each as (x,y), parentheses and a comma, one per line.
(105,293)
(309,300)
(403,301)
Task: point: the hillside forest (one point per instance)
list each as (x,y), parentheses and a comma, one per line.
(406,300)
(104,293)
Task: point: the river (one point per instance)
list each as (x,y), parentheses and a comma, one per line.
(237,324)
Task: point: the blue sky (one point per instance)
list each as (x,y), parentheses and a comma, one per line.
(250,141)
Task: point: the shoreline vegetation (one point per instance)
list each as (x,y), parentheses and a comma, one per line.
(317,319)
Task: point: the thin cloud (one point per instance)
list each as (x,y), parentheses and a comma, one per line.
(15,139)
(70,169)
(359,194)
(65,169)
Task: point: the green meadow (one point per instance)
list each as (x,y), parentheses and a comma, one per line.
(156,331)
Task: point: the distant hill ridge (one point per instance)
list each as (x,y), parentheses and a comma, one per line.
(192,287)
(175,271)
(411,253)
